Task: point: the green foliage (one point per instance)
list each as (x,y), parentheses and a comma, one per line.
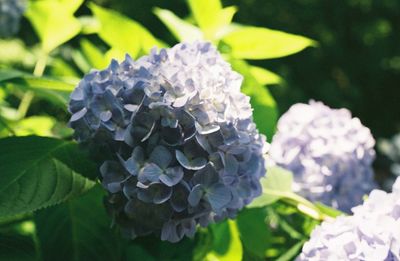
(182,30)
(123,34)
(226,245)
(40,172)
(78,229)
(248,42)
(54,21)
(277,182)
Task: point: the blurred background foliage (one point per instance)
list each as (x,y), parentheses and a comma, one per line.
(354,62)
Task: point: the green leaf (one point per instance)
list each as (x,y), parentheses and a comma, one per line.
(254,232)
(182,30)
(206,14)
(54,21)
(46,83)
(123,33)
(78,230)
(264,76)
(38,172)
(265,112)
(227,245)
(94,55)
(16,247)
(8,74)
(35,125)
(249,42)
(276,180)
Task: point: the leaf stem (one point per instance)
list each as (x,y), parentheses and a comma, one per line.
(303,205)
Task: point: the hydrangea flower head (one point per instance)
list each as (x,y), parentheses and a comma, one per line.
(371,233)
(185,148)
(10,16)
(329,152)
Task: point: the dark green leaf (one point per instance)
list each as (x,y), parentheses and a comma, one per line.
(254,232)
(38,172)
(78,230)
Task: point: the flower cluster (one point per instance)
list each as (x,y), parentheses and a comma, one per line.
(185,150)
(10,15)
(329,152)
(371,233)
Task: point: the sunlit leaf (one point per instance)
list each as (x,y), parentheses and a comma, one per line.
(54,21)
(182,30)
(250,42)
(15,51)
(38,172)
(35,125)
(78,230)
(90,24)
(93,54)
(227,245)
(123,33)
(276,180)
(264,76)
(206,14)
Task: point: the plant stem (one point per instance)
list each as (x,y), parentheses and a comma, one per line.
(303,205)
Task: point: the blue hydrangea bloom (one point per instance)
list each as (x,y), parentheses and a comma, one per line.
(10,16)
(329,152)
(185,148)
(371,233)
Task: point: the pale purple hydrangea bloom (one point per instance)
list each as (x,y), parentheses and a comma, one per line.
(10,15)
(372,233)
(329,152)
(186,150)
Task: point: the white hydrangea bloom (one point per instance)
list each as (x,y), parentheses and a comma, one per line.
(372,233)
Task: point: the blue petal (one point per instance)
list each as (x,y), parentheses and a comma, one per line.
(161,156)
(195,195)
(179,198)
(156,193)
(150,172)
(218,196)
(195,164)
(172,176)
(206,176)
(78,115)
